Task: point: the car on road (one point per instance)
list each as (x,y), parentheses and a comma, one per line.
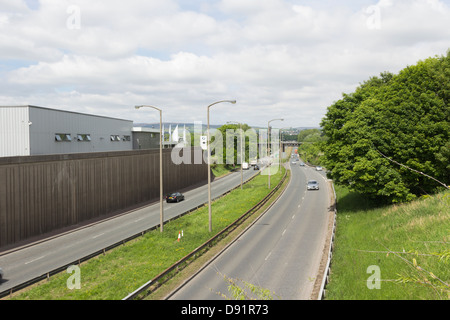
(255,167)
(174,197)
(245,166)
(1,275)
(318,168)
(313,185)
(302,164)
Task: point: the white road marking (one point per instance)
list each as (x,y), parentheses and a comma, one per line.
(34,260)
(98,235)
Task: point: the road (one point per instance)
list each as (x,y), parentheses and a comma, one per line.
(280,252)
(33,261)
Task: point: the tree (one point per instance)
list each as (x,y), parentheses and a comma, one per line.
(306,132)
(234,133)
(405,117)
(310,145)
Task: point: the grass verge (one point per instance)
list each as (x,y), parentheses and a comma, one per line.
(406,247)
(221,170)
(124,269)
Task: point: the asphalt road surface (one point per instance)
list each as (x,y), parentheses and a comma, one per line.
(280,252)
(27,263)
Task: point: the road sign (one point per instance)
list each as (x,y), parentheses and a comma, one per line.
(203,144)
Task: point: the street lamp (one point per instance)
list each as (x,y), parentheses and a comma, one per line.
(280,152)
(161,213)
(268,150)
(240,127)
(209,155)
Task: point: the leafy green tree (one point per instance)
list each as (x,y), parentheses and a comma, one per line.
(306,132)
(404,117)
(310,147)
(233,130)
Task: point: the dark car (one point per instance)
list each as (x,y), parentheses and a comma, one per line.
(313,185)
(256,167)
(174,197)
(1,275)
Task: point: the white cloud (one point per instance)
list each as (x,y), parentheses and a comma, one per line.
(290,58)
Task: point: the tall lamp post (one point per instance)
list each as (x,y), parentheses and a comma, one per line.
(281,142)
(268,150)
(209,155)
(240,127)
(161,212)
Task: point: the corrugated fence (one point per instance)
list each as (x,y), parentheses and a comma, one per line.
(42,194)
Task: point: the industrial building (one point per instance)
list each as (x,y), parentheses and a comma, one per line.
(148,138)
(31,130)
(145,138)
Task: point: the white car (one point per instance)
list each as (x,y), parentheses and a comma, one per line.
(1,275)
(313,185)
(318,168)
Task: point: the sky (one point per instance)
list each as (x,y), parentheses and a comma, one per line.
(287,59)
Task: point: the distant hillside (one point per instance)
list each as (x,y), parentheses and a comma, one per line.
(190,126)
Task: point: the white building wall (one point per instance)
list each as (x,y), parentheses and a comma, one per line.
(14,131)
(46,123)
(31,130)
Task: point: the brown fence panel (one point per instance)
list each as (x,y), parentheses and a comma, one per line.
(42,194)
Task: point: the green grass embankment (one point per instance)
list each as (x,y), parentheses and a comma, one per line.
(125,268)
(407,246)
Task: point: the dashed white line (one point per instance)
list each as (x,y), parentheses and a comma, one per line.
(98,235)
(34,260)
(283,232)
(267,257)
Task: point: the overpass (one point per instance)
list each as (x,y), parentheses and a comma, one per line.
(287,144)
(284,145)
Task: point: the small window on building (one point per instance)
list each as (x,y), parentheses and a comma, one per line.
(84,137)
(115,138)
(126,138)
(59,137)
